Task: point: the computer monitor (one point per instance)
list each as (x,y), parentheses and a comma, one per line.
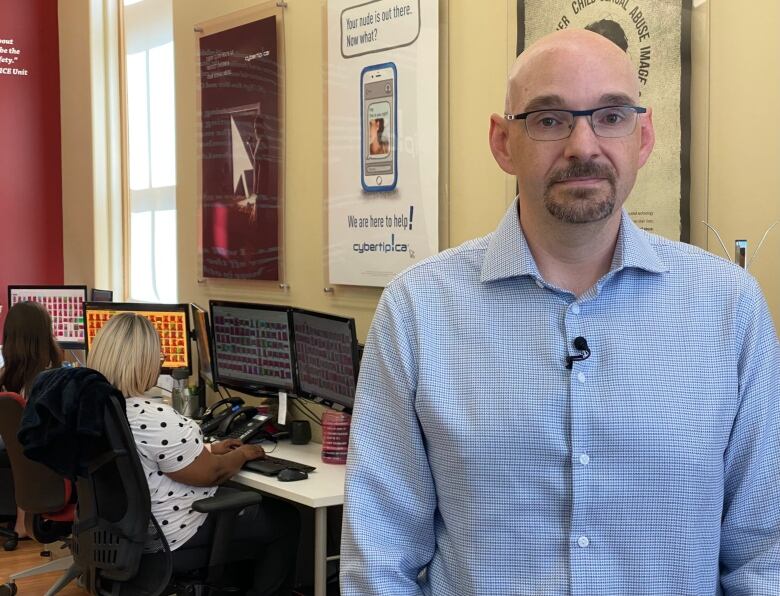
(101,295)
(65,305)
(253,349)
(172,322)
(326,349)
(200,324)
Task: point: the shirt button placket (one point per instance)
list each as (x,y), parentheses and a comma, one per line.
(581,476)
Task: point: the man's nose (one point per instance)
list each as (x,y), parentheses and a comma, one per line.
(582,144)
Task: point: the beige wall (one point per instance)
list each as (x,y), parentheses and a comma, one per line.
(77,166)
(478,41)
(736,173)
(91,143)
(744,134)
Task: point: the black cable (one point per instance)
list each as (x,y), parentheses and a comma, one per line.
(307,412)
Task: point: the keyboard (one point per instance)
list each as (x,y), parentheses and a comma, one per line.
(271,466)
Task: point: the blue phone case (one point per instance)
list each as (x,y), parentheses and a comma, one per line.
(392,185)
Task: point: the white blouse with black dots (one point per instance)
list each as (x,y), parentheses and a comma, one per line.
(168,442)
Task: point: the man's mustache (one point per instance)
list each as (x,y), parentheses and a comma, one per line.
(582,169)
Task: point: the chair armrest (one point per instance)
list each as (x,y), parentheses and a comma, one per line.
(225,508)
(232,502)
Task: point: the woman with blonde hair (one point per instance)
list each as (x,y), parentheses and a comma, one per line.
(180,469)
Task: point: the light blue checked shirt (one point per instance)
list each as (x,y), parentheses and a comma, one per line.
(652,467)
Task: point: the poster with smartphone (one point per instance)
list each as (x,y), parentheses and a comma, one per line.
(383,138)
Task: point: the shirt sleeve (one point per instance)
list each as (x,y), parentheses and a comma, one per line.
(390,500)
(166,437)
(750,531)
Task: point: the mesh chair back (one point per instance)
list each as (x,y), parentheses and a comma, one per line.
(112,523)
(37,489)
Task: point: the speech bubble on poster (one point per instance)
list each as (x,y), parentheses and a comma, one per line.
(379,25)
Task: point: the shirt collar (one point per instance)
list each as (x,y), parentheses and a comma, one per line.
(508,254)
(634,250)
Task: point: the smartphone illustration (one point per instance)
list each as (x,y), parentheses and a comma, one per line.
(378,99)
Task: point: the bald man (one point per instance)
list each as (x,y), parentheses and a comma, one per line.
(569,405)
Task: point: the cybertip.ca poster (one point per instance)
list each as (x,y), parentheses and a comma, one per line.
(241,152)
(383,138)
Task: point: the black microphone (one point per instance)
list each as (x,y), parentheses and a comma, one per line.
(580,344)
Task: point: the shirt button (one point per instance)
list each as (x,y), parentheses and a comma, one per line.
(539,284)
(583,541)
(581,377)
(575,308)
(584,459)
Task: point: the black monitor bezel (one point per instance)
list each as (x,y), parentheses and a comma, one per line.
(144,307)
(260,390)
(65,345)
(92,295)
(329,401)
(210,339)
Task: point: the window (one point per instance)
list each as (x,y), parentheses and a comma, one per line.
(151,150)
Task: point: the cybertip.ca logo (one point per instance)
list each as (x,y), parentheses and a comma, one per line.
(257,55)
(385,247)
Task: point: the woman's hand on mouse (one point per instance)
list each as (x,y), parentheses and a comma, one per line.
(251,452)
(226,446)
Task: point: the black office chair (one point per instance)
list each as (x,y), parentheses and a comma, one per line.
(119,546)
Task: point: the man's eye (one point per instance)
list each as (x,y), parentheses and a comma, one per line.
(612,118)
(547,121)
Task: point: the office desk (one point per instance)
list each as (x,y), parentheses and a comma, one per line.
(324,487)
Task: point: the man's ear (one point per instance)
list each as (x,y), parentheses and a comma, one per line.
(647,136)
(499,143)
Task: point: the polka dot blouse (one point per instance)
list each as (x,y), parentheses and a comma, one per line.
(168,442)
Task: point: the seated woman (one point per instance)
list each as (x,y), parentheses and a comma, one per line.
(28,349)
(180,469)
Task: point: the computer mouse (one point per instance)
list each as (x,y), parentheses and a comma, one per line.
(291,475)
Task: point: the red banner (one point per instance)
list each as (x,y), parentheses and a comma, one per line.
(30,160)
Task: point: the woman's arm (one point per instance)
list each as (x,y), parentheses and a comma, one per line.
(209,469)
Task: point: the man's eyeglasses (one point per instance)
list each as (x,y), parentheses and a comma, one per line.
(553,125)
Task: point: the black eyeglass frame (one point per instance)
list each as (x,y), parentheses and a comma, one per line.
(574,113)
